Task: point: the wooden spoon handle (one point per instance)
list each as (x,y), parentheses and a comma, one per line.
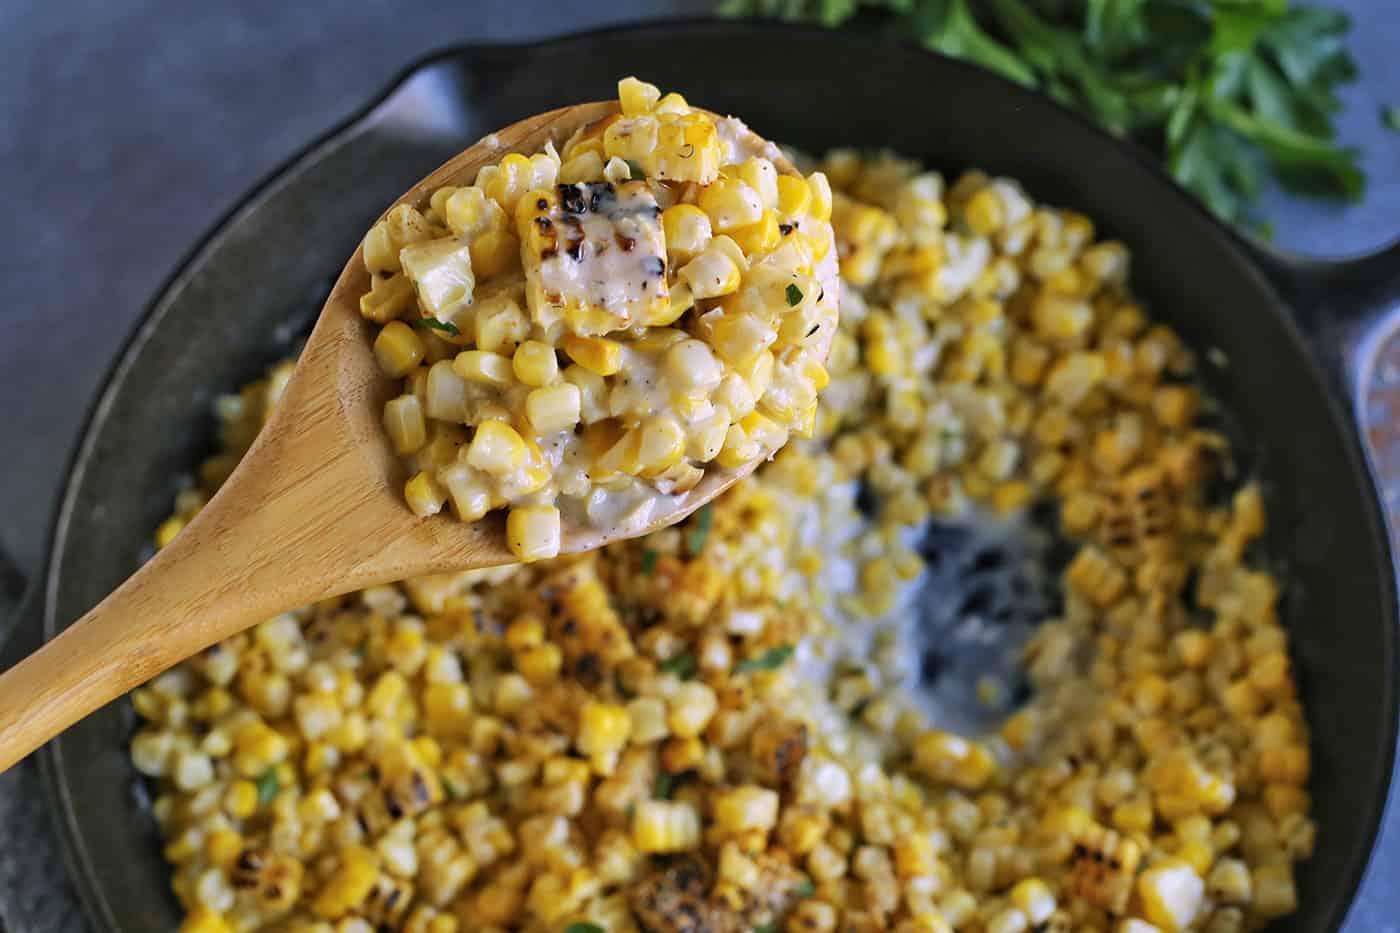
(283,531)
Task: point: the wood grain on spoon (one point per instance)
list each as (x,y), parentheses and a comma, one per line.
(314,510)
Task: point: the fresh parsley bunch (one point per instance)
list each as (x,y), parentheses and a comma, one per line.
(1226,91)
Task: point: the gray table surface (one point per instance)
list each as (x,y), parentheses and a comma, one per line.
(127,128)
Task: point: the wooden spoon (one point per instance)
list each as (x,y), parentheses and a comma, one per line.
(315,509)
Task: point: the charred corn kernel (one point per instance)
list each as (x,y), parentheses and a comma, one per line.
(397,349)
(660,826)
(405,424)
(425,495)
(597,355)
(532,532)
(687,230)
(535,364)
(637,97)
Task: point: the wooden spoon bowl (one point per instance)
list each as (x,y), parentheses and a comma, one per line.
(315,509)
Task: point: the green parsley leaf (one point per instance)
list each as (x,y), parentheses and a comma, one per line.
(268,786)
(765,928)
(665,783)
(453,791)
(360,650)
(1390,116)
(794,296)
(583,928)
(649,559)
(432,323)
(634,170)
(1230,94)
(769,660)
(805,888)
(700,530)
(682,665)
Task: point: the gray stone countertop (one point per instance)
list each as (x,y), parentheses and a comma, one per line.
(128,128)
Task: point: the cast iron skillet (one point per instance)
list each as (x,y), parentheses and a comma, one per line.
(253,284)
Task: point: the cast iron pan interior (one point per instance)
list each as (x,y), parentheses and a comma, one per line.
(253,284)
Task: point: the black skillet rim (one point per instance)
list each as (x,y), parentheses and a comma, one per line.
(46,584)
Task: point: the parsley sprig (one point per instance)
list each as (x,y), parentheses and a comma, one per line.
(1229,93)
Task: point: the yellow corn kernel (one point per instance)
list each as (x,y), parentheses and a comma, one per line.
(554,408)
(603,732)
(496,448)
(533,532)
(223,846)
(1171,894)
(712,273)
(953,759)
(821,196)
(447,709)
(388,298)
(348,887)
(731,204)
(742,809)
(470,212)
(660,826)
(482,366)
(241,799)
(637,97)
(794,196)
(397,349)
(661,444)
(598,355)
(494,252)
(687,230)
(424,494)
(405,424)
(204,920)
(535,364)
(687,148)
(758,237)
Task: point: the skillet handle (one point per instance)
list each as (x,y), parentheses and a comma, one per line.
(1351,310)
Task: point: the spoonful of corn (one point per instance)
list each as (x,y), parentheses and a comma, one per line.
(580,329)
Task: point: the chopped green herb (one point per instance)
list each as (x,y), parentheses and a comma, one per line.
(794,296)
(665,783)
(631,811)
(583,928)
(769,660)
(700,530)
(621,688)
(649,558)
(682,665)
(453,791)
(1390,116)
(1226,92)
(765,928)
(360,650)
(805,888)
(268,786)
(635,170)
(432,323)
